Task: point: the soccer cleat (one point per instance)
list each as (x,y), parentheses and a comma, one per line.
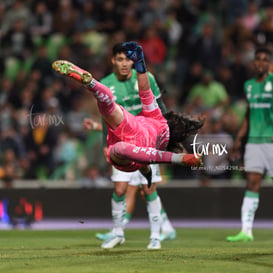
(67,68)
(168,236)
(113,241)
(240,237)
(104,236)
(191,160)
(154,244)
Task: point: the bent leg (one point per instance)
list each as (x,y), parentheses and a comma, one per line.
(123,153)
(110,111)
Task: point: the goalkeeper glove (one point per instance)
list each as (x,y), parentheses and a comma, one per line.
(134,52)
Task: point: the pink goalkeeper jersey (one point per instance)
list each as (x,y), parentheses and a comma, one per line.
(147,129)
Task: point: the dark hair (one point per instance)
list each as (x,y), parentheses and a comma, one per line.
(181,127)
(263,50)
(117,48)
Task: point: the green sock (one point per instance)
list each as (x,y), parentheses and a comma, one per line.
(126,218)
(151,197)
(118,198)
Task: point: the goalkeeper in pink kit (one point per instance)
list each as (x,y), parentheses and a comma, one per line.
(134,142)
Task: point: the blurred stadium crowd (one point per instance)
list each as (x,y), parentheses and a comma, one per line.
(200,51)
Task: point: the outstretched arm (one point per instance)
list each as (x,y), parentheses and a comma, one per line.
(134,52)
(143,81)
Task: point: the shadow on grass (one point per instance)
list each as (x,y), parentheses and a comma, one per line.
(115,252)
(112,252)
(249,258)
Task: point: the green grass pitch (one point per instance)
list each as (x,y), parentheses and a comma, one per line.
(77,251)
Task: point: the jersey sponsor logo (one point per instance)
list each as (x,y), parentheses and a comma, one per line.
(257,96)
(268,87)
(260,105)
(267,95)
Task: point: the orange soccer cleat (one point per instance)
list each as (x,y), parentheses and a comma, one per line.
(192,160)
(67,68)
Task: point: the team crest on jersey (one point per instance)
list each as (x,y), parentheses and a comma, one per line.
(268,87)
(249,87)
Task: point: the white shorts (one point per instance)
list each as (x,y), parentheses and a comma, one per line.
(135,178)
(258,158)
